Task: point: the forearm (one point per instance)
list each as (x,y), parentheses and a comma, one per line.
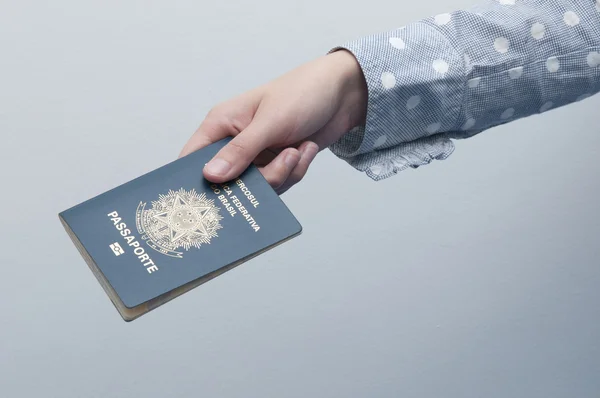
(458,74)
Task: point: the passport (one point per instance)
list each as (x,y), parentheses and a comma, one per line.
(166,232)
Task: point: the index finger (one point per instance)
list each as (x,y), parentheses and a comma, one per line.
(211,130)
(226,119)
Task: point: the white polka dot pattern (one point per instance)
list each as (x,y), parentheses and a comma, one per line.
(474,82)
(457,74)
(507,114)
(538,31)
(388,80)
(442,19)
(552,64)
(468,124)
(433,127)
(593,59)
(547,106)
(501,44)
(380,141)
(397,43)
(440,66)
(571,18)
(515,73)
(413,102)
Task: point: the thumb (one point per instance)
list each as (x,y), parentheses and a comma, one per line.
(240,152)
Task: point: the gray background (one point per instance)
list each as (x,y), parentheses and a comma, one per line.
(473,277)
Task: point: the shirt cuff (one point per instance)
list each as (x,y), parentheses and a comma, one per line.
(415,80)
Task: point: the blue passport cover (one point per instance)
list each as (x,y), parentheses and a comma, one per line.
(162,234)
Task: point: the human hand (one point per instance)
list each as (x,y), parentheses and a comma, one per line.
(282,125)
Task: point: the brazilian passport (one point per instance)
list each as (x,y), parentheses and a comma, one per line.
(170,230)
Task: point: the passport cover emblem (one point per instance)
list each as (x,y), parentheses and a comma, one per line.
(178,220)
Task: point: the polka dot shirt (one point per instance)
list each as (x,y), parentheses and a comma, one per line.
(454,75)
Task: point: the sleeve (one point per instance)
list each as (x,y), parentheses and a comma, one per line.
(454,75)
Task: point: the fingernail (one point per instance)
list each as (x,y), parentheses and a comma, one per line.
(311,146)
(312,150)
(290,161)
(218,167)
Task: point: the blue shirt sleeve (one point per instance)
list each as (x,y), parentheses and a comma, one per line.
(457,74)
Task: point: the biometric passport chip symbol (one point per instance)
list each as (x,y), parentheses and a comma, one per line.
(116,248)
(178,220)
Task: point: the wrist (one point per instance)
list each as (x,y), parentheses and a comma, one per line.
(353,86)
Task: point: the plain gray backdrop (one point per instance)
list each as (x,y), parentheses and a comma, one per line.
(472,277)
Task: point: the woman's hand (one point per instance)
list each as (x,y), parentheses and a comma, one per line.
(282,125)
